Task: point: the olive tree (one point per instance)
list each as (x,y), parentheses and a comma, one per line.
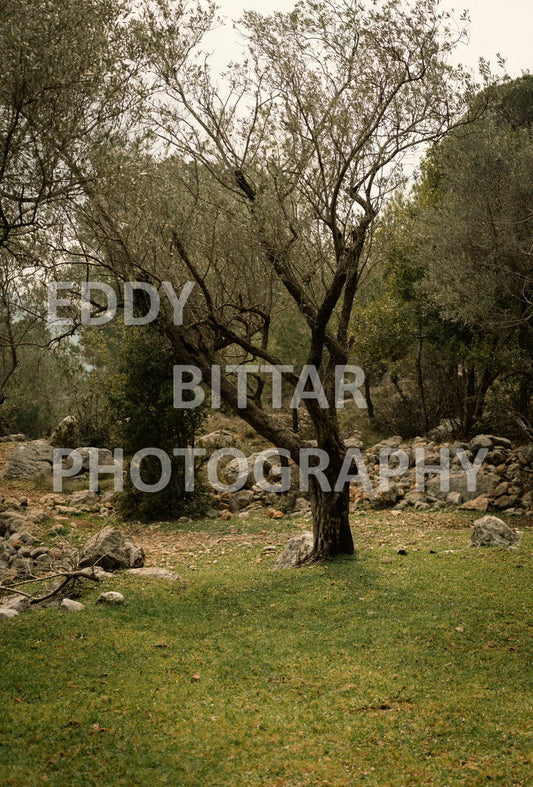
(273,180)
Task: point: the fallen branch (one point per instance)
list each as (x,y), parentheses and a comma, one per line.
(67,576)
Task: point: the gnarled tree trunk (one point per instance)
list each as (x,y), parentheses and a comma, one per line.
(331,526)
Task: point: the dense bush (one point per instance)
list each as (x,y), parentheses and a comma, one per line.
(141,399)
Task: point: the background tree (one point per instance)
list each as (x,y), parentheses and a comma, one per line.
(479,271)
(452,282)
(424,367)
(66,69)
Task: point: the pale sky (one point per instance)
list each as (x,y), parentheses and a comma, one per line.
(503,26)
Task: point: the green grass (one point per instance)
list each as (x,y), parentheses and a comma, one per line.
(380,670)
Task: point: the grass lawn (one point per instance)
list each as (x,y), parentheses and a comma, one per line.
(384,669)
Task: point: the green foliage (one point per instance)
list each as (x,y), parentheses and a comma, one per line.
(38,395)
(65,72)
(141,402)
(474,235)
(448,313)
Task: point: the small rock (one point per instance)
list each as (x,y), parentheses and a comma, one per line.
(506,501)
(38,551)
(422,506)
(480,503)
(12,521)
(18,603)
(353,442)
(296,551)
(222,438)
(502,442)
(96,571)
(480,441)
(7,612)
(111,549)
(36,515)
(52,500)
(69,510)
(241,499)
(454,498)
(154,571)
(274,513)
(384,497)
(69,605)
(27,538)
(112,597)
(84,497)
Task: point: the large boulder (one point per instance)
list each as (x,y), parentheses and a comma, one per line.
(296,551)
(488,441)
(105,457)
(29,461)
(489,531)
(111,550)
(485,485)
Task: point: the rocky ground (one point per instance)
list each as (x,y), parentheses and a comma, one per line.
(28,508)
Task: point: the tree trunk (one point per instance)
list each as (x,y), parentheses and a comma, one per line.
(330,509)
(369,403)
(421,387)
(331,526)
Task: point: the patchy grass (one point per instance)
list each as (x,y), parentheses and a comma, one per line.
(384,669)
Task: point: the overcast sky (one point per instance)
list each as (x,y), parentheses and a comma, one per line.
(503,26)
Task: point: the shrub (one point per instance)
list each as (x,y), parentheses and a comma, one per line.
(141,399)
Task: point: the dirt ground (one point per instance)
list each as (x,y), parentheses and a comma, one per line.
(165,547)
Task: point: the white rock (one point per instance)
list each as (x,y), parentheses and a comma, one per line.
(296,551)
(7,612)
(111,550)
(18,603)
(490,531)
(69,605)
(111,597)
(154,571)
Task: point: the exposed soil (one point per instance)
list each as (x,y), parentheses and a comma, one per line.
(166,547)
